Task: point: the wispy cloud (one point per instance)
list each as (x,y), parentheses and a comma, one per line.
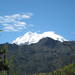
(15,22)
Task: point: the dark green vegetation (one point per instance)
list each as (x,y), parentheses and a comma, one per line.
(3,73)
(4,69)
(67,70)
(45,56)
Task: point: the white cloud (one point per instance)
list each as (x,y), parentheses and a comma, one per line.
(14,22)
(10,28)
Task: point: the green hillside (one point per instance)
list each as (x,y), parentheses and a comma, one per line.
(67,70)
(43,58)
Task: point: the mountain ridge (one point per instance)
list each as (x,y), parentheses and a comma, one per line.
(33,37)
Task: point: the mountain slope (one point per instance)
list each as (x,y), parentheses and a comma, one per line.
(66,70)
(45,56)
(31,37)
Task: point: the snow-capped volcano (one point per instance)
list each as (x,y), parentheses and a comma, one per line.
(33,37)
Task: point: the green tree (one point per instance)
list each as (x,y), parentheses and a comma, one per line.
(3,59)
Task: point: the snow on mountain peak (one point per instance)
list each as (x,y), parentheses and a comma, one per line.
(33,37)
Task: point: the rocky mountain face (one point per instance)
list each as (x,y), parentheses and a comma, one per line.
(44,56)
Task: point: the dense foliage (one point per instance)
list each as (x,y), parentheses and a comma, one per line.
(4,68)
(66,70)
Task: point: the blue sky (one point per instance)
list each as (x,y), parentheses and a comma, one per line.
(20,16)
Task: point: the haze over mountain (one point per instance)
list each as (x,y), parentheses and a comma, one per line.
(33,37)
